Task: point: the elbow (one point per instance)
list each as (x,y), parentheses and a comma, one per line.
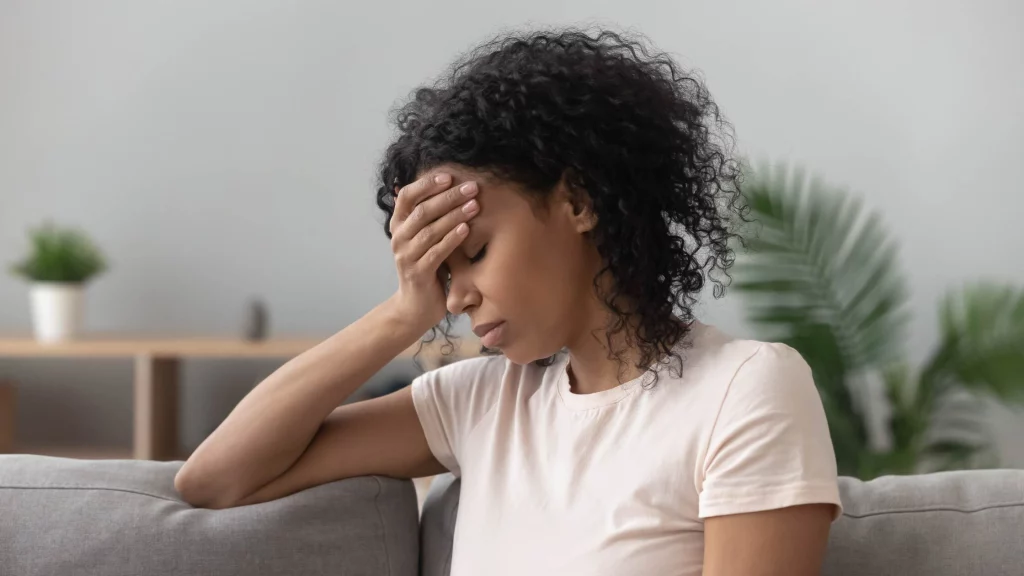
(196,490)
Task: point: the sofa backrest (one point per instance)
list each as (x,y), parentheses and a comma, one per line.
(123,517)
(942,524)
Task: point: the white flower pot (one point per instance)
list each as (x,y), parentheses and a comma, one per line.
(56,311)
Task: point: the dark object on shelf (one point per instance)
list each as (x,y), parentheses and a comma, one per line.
(256,321)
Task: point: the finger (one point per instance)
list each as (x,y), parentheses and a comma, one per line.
(431,234)
(433,208)
(413,194)
(393,222)
(439,252)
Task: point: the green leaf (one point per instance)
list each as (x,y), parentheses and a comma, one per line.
(60,255)
(983,341)
(821,277)
(819,248)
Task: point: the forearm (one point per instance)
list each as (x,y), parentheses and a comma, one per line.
(271,427)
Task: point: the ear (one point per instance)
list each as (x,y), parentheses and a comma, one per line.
(576,203)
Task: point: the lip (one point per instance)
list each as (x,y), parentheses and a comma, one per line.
(490,333)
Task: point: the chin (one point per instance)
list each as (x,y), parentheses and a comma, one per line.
(519,356)
(516,358)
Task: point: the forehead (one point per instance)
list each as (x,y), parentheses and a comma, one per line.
(462,174)
(495,195)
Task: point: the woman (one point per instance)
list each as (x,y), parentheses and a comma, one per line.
(572,195)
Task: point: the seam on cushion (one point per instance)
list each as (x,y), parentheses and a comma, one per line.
(935,509)
(383,527)
(91,488)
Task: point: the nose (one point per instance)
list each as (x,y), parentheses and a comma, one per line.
(461,294)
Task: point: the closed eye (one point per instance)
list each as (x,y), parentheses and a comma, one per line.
(479,255)
(445,275)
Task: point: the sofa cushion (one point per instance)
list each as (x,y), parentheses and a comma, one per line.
(943,524)
(124,517)
(437,525)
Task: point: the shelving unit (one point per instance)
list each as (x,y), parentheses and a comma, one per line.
(156,382)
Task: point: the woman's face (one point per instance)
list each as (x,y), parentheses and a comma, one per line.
(526,263)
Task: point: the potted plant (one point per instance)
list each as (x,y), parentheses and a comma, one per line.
(60,262)
(823,277)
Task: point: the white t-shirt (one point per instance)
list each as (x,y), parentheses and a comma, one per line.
(619,481)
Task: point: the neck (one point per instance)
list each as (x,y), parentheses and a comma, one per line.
(591,367)
(593,371)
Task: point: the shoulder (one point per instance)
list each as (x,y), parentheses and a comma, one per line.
(746,362)
(764,386)
(773,361)
(477,384)
(768,444)
(472,384)
(463,379)
(736,378)
(773,372)
(492,369)
(470,369)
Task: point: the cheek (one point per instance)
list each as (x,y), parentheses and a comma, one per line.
(543,279)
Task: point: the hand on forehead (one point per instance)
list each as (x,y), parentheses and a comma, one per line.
(458,173)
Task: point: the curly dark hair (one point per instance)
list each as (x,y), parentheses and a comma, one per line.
(640,136)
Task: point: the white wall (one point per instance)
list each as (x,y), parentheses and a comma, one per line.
(223,149)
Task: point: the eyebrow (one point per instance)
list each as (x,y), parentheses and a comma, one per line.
(470,240)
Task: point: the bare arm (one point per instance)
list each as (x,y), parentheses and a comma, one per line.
(342,448)
(289,433)
(784,542)
(293,418)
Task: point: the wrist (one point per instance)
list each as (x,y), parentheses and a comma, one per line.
(406,322)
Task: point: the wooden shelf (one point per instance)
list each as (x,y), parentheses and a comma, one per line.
(156,380)
(95,347)
(120,346)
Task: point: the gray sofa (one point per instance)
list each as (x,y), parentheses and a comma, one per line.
(117,517)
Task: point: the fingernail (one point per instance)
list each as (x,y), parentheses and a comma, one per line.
(470,207)
(468,188)
(441,178)
(462,229)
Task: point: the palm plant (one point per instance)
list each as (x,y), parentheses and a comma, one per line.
(821,275)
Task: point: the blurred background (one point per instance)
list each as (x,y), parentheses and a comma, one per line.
(224,151)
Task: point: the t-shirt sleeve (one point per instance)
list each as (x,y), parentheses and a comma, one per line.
(770,446)
(451,400)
